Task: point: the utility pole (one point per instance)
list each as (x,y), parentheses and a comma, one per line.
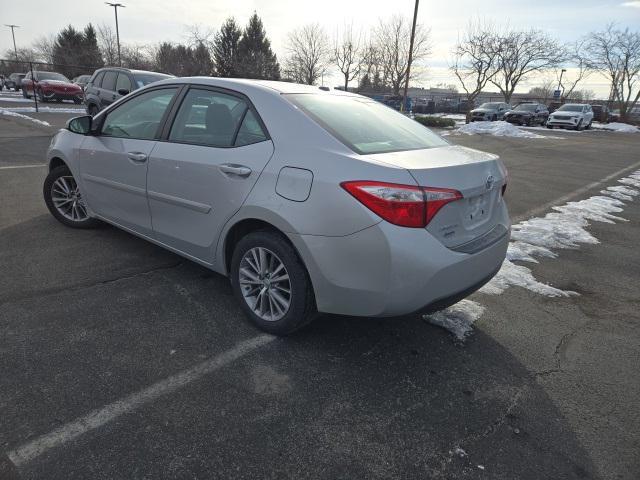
(115,8)
(413,34)
(560,87)
(12,27)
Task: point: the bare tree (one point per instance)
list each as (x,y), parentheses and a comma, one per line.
(44,47)
(393,38)
(346,54)
(108,44)
(371,71)
(578,61)
(544,91)
(616,55)
(475,58)
(309,54)
(521,53)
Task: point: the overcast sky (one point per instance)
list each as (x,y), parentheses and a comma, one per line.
(152,21)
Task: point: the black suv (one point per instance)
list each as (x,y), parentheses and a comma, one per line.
(528,114)
(109,84)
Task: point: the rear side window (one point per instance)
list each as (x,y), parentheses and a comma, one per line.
(215,119)
(109,81)
(123,82)
(364,125)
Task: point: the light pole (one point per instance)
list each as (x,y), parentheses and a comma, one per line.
(115,8)
(410,59)
(12,27)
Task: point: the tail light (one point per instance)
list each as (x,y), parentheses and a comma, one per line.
(403,205)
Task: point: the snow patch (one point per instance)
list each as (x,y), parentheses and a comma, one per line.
(520,276)
(496,129)
(615,127)
(80,111)
(9,113)
(458,318)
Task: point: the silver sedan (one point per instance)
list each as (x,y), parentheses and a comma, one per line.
(309,200)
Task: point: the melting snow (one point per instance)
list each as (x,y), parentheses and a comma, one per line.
(9,113)
(563,228)
(458,318)
(616,127)
(497,129)
(77,110)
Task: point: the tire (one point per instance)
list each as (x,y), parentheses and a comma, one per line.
(549,127)
(302,306)
(50,187)
(579,127)
(77,101)
(588,127)
(24,93)
(41,96)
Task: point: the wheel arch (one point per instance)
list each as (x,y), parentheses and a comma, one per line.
(56,162)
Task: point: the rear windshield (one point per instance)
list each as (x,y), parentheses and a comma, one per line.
(490,105)
(143,79)
(364,125)
(51,76)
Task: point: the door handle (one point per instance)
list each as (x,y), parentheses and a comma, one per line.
(239,170)
(138,157)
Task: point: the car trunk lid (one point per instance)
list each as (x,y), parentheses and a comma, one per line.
(478,176)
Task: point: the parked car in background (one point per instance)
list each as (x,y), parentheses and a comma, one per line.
(528,114)
(109,84)
(82,80)
(576,116)
(49,86)
(308,200)
(14,81)
(601,113)
(491,111)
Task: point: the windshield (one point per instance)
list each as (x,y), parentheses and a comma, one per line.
(364,125)
(51,76)
(570,108)
(490,106)
(143,79)
(527,107)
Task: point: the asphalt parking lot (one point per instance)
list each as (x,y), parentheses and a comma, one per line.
(122,360)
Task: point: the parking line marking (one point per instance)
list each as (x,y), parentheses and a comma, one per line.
(23,166)
(570,196)
(100,417)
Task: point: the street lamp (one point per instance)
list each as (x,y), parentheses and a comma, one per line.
(115,8)
(560,82)
(12,27)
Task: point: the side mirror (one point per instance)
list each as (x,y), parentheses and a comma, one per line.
(123,92)
(81,125)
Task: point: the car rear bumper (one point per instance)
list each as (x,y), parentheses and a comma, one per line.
(386,270)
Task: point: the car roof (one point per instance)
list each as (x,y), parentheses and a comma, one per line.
(265,86)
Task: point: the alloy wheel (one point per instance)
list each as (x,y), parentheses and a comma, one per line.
(67,199)
(265,284)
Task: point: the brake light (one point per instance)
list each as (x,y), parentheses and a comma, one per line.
(403,205)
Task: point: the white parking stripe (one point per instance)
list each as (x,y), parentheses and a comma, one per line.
(570,196)
(98,418)
(12,167)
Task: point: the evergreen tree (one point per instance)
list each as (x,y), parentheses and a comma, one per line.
(90,55)
(202,60)
(255,57)
(225,49)
(67,50)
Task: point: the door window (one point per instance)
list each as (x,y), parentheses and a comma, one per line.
(140,117)
(98,81)
(123,82)
(109,81)
(212,118)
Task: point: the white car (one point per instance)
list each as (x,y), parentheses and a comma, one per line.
(571,115)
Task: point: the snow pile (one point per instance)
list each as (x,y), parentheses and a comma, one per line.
(9,113)
(616,127)
(41,109)
(497,129)
(564,228)
(458,318)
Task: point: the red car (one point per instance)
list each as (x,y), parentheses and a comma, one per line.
(50,86)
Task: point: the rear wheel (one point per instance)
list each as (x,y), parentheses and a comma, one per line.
(271,283)
(64,200)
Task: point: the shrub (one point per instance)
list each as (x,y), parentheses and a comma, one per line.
(438,122)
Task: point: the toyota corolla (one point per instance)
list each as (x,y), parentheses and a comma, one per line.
(308,200)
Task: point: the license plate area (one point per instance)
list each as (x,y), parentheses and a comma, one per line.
(477,209)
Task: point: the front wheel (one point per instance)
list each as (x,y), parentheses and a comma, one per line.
(271,283)
(64,200)
(579,126)
(41,97)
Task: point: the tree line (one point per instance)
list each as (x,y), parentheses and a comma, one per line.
(485,56)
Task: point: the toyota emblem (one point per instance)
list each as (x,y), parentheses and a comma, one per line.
(489,182)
